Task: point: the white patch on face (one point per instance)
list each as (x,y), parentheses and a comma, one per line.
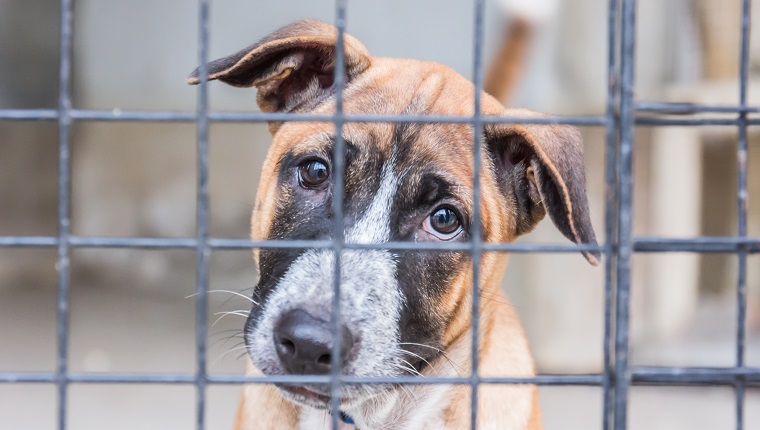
(375,225)
(369,293)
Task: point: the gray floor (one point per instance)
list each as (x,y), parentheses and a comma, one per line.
(123,330)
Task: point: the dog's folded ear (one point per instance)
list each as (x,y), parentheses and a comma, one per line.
(293,68)
(540,169)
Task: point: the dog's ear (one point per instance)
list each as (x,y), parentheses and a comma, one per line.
(292,68)
(540,169)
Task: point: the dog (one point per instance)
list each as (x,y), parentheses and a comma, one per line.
(404,312)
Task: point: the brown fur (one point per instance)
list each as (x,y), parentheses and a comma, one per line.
(437,90)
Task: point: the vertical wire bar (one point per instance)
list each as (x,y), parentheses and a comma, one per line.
(476,241)
(625,224)
(64,204)
(339,158)
(610,210)
(201,221)
(741,159)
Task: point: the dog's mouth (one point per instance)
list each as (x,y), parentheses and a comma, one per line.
(312,395)
(318,396)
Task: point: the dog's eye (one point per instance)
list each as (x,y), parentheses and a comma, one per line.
(313,174)
(445,223)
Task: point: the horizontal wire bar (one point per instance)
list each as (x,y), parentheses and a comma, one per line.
(163,378)
(269,244)
(691,108)
(28,241)
(700,244)
(695,375)
(132,242)
(697,244)
(128,116)
(675,121)
(641,376)
(29,114)
(117,115)
(27,377)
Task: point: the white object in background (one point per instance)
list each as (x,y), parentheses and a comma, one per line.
(537,11)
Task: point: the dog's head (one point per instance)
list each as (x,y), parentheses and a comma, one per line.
(403,182)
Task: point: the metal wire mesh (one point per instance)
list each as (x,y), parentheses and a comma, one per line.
(620,119)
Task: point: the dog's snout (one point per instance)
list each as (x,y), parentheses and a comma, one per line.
(304,343)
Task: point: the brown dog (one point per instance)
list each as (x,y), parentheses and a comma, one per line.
(403,312)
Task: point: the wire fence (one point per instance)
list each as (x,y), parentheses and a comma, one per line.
(623,114)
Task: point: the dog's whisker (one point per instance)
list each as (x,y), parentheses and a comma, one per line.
(239,313)
(496,298)
(421,344)
(412,368)
(229,351)
(225,291)
(404,387)
(221,332)
(237,347)
(455,366)
(223,341)
(416,355)
(405,368)
(230,334)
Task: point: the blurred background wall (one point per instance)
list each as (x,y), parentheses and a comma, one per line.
(129,307)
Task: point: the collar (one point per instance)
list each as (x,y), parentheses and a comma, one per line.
(346,418)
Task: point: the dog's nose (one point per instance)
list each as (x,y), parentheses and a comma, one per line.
(304,343)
